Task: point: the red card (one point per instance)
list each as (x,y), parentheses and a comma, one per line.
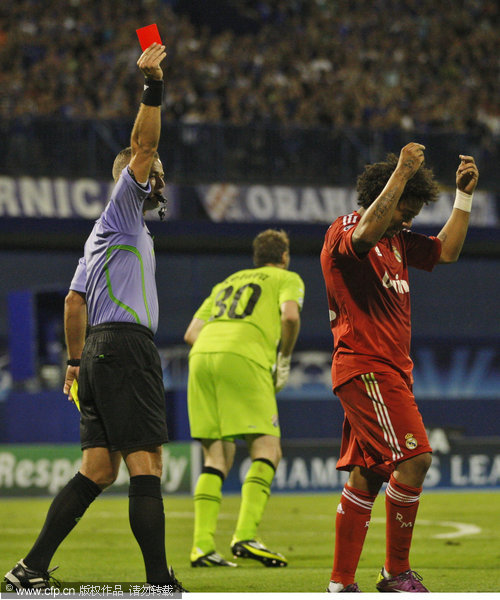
(148,35)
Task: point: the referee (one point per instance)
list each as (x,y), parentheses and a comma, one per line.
(118,368)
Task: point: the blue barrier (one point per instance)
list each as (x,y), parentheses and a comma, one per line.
(47,417)
(40,417)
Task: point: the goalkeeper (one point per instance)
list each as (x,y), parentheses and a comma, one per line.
(234,374)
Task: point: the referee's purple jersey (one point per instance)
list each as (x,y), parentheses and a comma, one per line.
(117,271)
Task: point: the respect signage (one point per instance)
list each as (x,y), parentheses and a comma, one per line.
(42,470)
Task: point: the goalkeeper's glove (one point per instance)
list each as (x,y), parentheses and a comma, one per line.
(282,371)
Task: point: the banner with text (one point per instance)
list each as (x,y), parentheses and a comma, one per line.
(459,462)
(42,470)
(59,198)
(249,203)
(310,465)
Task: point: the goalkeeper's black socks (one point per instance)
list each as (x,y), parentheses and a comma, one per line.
(66,510)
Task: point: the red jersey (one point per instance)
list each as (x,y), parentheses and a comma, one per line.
(369,298)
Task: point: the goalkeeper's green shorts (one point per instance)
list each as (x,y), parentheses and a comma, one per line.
(230,396)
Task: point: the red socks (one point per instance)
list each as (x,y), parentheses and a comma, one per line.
(401,505)
(351,525)
(353,519)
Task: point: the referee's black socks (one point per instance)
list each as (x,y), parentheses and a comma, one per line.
(147,521)
(66,510)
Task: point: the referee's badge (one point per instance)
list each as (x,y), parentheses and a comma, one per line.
(275,421)
(411,442)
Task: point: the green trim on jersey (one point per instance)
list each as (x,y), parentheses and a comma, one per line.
(129,309)
(242,314)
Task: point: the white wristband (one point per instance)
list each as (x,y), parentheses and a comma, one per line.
(463,201)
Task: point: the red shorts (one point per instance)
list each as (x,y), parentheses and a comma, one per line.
(382,424)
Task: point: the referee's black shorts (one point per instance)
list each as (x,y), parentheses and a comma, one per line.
(120,388)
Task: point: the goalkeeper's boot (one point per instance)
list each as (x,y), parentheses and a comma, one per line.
(256,550)
(211,559)
(333,586)
(23,578)
(409,581)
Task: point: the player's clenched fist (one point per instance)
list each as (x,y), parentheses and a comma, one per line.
(410,159)
(467,174)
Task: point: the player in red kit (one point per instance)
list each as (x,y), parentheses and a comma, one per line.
(365,260)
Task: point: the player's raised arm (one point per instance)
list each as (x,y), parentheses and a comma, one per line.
(146,131)
(453,234)
(376,218)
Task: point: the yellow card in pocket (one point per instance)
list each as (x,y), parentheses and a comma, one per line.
(74,393)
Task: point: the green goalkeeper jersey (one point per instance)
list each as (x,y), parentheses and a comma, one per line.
(242,314)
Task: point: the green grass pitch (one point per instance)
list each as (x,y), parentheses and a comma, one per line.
(456,545)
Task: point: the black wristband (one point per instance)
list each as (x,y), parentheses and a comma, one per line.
(153,92)
(73,362)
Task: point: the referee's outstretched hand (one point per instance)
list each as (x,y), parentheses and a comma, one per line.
(149,61)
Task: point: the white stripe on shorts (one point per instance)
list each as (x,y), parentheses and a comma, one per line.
(373,391)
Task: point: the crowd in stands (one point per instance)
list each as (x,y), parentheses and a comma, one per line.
(334,63)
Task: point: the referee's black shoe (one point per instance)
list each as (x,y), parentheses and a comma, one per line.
(174,586)
(23,578)
(175,583)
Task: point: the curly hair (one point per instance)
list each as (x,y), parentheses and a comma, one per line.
(422,188)
(268,247)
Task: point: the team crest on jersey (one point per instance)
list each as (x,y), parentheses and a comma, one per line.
(396,253)
(411,443)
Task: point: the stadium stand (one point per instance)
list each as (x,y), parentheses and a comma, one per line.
(408,65)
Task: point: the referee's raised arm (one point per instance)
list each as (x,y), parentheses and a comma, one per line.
(146,131)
